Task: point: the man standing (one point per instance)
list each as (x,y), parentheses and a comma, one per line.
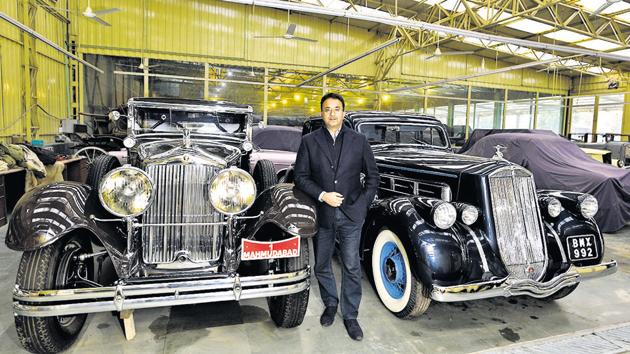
(328,168)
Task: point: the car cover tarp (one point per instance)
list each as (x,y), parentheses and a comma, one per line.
(480,133)
(560,164)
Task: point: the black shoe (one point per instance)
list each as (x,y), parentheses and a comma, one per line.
(353,329)
(328,317)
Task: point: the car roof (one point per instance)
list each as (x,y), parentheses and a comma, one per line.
(355,117)
(190,104)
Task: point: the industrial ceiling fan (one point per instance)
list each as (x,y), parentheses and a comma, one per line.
(290,34)
(604,6)
(94,15)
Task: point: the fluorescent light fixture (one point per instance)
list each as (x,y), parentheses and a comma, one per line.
(479,42)
(531,26)
(598,44)
(566,36)
(488,13)
(624,52)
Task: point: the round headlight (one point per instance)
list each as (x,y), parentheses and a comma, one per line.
(232,191)
(588,206)
(126,191)
(554,207)
(469,214)
(444,215)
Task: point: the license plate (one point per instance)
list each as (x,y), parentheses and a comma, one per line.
(253,250)
(581,247)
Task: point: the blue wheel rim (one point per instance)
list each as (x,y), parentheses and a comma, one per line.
(392,268)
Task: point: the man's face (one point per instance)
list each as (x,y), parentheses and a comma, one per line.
(332,113)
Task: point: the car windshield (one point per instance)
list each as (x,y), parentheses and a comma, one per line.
(403,133)
(154,120)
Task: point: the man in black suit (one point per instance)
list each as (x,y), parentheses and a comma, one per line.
(328,167)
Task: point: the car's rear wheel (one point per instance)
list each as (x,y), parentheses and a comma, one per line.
(395,285)
(288,311)
(55,266)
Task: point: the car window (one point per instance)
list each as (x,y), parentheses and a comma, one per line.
(389,133)
(168,120)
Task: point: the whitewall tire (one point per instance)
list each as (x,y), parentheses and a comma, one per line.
(395,284)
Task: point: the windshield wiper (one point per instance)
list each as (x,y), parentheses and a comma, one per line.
(421,142)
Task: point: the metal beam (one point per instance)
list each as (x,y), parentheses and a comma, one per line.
(350,61)
(34,34)
(483,73)
(419,25)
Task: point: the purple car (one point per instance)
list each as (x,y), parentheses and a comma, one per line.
(279,144)
(561,165)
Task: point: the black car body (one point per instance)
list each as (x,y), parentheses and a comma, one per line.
(184,223)
(448,227)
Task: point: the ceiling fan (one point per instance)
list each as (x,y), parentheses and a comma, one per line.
(290,34)
(604,6)
(89,13)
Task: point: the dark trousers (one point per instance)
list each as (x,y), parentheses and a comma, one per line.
(349,234)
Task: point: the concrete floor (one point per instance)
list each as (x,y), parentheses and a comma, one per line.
(455,327)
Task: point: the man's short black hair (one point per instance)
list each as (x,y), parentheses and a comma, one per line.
(332,95)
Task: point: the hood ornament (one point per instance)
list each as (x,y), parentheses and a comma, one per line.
(186,138)
(498,155)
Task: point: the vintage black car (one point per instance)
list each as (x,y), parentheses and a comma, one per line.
(183,223)
(448,227)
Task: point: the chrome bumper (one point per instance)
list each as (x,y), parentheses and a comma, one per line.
(513,287)
(139,296)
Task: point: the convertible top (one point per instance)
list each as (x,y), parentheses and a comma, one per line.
(560,164)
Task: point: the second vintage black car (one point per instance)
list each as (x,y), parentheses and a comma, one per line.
(448,227)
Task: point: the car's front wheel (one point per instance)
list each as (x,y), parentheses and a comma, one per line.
(288,311)
(395,285)
(55,266)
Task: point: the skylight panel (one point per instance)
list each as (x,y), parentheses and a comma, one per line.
(531,26)
(566,36)
(598,44)
(488,13)
(592,5)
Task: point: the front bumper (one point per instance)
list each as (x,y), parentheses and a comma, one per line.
(122,297)
(513,287)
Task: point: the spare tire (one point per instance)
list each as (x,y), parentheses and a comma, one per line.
(264,175)
(100,167)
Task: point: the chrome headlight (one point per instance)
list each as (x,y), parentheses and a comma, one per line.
(232,191)
(588,205)
(126,191)
(444,215)
(554,207)
(469,214)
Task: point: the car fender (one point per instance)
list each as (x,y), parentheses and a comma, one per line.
(47,213)
(437,256)
(284,207)
(571,223)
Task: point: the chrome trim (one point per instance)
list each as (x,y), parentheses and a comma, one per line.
(509,286)
(482,253)
(181,221)
(129,297)
(517,222)
(557,238)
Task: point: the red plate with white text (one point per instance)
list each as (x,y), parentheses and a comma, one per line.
(253,250)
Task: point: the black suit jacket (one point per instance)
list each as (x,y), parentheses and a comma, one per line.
(314,173)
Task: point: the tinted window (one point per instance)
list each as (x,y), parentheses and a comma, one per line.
(403,134)
(168,120)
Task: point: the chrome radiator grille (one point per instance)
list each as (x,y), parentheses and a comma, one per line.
(181,197)
(517,223)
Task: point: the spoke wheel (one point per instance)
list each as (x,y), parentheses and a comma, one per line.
(395,285)
(90,153)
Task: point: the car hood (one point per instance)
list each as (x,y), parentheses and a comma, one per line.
(198,151)
(439,161)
